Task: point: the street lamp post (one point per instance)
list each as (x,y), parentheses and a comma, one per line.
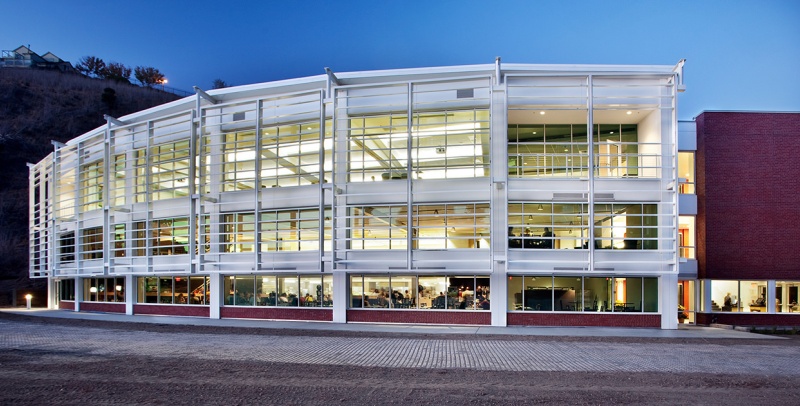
(28,298)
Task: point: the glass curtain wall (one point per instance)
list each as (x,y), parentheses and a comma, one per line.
(420,292)
(629,128)
(183,290)
(582,293)
(104,290)
(548,127)
(279,290)
(444,145)
(434,226)
(547,225)
(629,226)
(786,296)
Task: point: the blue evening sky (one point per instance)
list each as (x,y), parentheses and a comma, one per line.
(741,55)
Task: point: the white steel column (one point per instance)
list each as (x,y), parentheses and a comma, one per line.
(131,293)
(770,297)
(498,144)
(51,293)
(590,150)
(215,289)
(340,296)
(668,301)
(78,293)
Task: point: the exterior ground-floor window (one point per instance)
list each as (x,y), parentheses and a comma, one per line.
(182,290)
(787,294)
(752,296)
(279,290)
(576,293)
(66,289)
(424,292)
(104,289)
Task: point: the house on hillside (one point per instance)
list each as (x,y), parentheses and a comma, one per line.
(23,57)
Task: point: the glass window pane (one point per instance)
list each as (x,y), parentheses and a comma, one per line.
(431,292)
(650,301)
(515,292)
(310,291)
(244,290)
(327,291)
(724,295)
(197,290)
(165,289)
(567,293)
(628,294)
(266,290)
(404,291)
(538,293)
(753,296)
(357,295)
(377,291)
(181,290)
(599,290)
(288,291)
(461,292)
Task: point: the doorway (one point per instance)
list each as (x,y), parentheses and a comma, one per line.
(686,302)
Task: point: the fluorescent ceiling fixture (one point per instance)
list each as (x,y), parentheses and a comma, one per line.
(628,112)
(541,112)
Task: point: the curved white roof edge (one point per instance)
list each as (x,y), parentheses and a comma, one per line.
(319,82)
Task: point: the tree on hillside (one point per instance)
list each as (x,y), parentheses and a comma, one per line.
(91,66)
(148,76)
(219,84)
(118,72)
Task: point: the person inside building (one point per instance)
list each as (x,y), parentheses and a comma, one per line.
(726,304)
(547,238)
(513,241)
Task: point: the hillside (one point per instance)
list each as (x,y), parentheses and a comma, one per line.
(35,108)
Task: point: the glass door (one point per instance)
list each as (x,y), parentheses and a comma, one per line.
(686,302)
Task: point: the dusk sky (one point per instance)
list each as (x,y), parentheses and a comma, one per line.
(741,55)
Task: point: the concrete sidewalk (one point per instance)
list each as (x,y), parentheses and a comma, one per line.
(683,331)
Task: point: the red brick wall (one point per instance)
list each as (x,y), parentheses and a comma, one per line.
(166,310)
(66,305)
(419,317)
(584,319)
(749,319)
(748,190)
(103,307)
(275,313)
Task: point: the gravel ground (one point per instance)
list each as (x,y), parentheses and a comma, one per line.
(63,365)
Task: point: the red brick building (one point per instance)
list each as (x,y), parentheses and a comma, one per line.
(748,190)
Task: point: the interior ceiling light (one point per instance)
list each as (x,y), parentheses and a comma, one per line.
(541,112)
(629,112)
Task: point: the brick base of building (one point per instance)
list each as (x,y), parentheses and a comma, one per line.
(168,310)
(749,319)
(272,313)
(62,305)
(102,307)
(420,317)
(584,319)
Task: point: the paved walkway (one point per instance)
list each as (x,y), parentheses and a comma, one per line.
(412,352)
(684,331)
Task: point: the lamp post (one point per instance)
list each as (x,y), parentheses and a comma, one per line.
(163,82)
(28,298)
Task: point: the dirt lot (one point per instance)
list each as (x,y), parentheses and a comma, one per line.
(53,377)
